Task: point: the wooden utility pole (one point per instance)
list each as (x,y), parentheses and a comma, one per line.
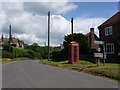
(10,38)
(10,34)
(72,27)
(104,54)
(48,35)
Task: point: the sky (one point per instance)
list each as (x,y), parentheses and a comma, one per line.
(29,19)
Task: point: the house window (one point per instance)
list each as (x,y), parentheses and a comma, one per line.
(109,48)
(108,30)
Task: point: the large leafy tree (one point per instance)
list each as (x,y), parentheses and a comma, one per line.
(38,49)
(81,39)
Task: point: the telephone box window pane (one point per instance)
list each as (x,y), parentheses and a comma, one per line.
(75,53)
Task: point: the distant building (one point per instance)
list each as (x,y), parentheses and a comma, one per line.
(110,33)
(92,37)
(61,46)
(11,41)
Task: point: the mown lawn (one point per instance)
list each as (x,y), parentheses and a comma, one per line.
(109,70)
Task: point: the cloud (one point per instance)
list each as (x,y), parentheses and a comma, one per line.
(44,7)
(83,25)
(30,24)
(30,38)
(12,9)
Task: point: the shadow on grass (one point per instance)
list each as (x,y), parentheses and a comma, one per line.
(87,67)
(58,60)
(74,67)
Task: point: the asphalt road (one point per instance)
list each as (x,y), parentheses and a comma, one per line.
(31,74)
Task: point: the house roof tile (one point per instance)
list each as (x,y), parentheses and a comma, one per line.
(113,19)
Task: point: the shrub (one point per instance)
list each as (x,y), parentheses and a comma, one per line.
(59,55)
(7,48)
(6,54)
(17,52)
(32,54)
(9,51)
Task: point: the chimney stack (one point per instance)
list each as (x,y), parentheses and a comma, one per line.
(91,30)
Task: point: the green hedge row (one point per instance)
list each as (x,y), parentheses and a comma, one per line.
(6,54)
(25,53)
(12,52)
(34,52)
(60,55)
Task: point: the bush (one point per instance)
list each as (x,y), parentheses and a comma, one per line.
(59,55)
(17,52)
(7,48)
(10,51)
(6,54)
(41,51)
(32,54)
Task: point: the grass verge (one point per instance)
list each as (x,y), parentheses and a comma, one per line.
(110,70)
(7,60)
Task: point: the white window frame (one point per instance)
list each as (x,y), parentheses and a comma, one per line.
(108,30)
(109,48)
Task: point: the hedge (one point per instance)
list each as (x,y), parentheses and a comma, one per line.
(10,52)
(6,54)
(59,55)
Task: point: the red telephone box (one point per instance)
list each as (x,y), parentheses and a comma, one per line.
(73,52)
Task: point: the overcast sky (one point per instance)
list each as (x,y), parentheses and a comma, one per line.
(29,19)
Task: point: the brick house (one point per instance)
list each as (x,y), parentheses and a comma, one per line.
(109,32)
(92,36)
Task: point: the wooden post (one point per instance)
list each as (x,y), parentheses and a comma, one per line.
(103,54)
(9,34)
(48,35)
(72,27)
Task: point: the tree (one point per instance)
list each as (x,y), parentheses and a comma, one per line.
(25,46)
(81,39)
(42,51)
(34,47)
(35,44)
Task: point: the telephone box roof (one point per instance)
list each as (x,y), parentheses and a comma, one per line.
(74,42)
